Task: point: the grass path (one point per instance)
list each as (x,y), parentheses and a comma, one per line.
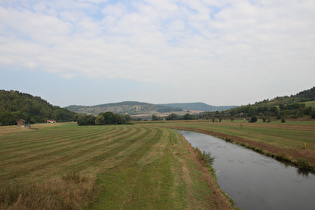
(67,166)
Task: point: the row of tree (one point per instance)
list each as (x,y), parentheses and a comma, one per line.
(173,116)
(294,110)
(262,112)
(105,118)
(250,112)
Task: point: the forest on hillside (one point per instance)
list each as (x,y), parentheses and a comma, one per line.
(301,97)
(293,106)
(15,105)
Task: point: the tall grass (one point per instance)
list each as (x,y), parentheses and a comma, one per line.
(302,163)
(204,157)
(72,191)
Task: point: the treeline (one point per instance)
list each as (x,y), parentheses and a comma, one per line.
(294,110)
(106,118)
(173,116)
(249,112)
(15,105)
(279,108)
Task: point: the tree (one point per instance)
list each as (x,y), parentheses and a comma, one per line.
(117,119)
(7,118)
(172,117)
(253,119)
(188,117)
(155,118)
(127,118)
(108,118)
(86,120)
(281,107)
(283,120)
(99,119)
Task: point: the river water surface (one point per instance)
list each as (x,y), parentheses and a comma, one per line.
(255,181)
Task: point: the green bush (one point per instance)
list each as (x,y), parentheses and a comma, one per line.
(204,157)
(303,164)
(253,119)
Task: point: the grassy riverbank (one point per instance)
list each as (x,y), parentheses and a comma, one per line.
(65,166)
(285,141)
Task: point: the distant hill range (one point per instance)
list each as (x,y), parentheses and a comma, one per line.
(140,108)
(126,107)
(198,106)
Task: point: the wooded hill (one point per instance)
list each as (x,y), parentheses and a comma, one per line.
(198,106)
(293,106)
(126,107)
(303,96)
(15,105)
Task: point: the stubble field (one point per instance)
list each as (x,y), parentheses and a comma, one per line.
(66,166)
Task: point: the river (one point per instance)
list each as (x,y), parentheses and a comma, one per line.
(255,181)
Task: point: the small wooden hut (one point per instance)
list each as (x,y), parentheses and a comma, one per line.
(20,123)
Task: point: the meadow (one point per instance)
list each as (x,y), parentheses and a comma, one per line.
(66,166)
(139,166)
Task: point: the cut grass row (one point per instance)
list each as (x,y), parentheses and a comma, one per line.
(66,166)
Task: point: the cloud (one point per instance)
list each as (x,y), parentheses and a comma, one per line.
(167,42)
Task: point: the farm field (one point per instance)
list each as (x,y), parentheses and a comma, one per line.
(66,166)
(280,139)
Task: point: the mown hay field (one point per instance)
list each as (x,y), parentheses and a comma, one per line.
(280,139)
(66,166)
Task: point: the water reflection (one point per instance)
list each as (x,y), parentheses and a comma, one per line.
(304,172)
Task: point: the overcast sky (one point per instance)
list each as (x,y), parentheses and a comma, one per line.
(221,52)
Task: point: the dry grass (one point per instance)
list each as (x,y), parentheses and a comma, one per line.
(72,191)
(65,166)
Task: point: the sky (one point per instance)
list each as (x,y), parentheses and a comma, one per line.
(220,52)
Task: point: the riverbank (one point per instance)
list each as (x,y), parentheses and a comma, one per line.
(284,142)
